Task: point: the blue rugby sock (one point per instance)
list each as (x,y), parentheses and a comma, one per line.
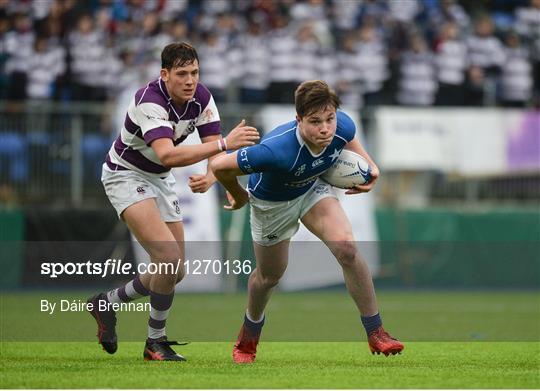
(254,327)
(371,323)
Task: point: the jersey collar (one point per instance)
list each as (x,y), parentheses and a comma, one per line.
(163,90)
(178,110)
(302,143)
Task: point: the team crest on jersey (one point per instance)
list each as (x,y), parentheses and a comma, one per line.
(335,155)
(208,115)
(300,170)
(190,128)
(184,129)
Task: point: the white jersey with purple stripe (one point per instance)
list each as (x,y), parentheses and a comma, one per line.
(151,115)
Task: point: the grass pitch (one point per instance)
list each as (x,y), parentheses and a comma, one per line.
(452,339)
(279,365)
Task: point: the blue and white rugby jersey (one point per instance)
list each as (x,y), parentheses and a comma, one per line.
(151,115)
(282,167)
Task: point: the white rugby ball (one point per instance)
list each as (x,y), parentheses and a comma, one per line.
(348,170)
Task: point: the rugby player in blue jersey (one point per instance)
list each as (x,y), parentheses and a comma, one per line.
(284,188)
(139,184)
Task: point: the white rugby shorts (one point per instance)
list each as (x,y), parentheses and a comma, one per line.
(126,187)
(275,221)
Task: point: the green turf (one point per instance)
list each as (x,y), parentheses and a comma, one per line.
(455,340)
(279,365)
(296,317)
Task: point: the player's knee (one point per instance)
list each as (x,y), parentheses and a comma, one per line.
(180,271)
(167,253)
(164,280)
(345,251)
(268,281)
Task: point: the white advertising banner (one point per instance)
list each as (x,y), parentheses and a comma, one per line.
(321,268)
(409,139)
(480,141)
(465,141)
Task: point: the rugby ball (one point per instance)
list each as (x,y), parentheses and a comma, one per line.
(348,170)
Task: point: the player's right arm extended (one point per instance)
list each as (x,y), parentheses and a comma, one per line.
(226,170)
(185,155)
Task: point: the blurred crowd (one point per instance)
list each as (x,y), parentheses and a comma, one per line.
(406,52)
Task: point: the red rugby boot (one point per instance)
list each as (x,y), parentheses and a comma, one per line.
(245,348)
(381,342)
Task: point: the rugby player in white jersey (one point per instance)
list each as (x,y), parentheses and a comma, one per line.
(284,187)
(137,179)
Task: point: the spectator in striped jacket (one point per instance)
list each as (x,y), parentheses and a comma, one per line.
(417,80)
(516,77)
(18,47)
(282,46)
(349,79)
(307,53)
(449,12)
(373,63)
(45,64)
(528,26)
(253,64)
(87,49)
(528,20)
(451,59)
(4,79)
(214,65)
(485,50)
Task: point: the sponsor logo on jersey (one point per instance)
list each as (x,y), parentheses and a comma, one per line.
(300,170)
(317,163)
(141,190)
(159,118)
(303,182)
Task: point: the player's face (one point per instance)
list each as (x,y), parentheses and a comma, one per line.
(318,129)
(181,82)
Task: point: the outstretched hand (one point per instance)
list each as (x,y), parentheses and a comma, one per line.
(242,136)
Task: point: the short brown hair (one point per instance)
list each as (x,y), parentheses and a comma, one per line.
(178,54)
(314,95)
